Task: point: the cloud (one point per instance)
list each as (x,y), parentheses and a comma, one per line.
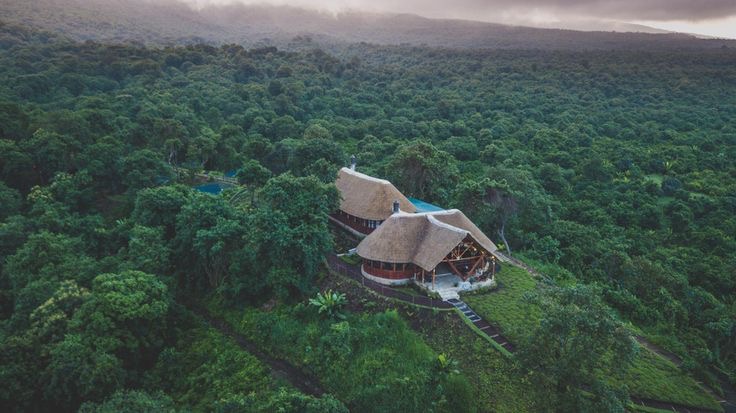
(498,10)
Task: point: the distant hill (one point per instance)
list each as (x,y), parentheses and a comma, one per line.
(173,22)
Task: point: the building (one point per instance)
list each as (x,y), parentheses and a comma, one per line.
(420,246)
(366,201)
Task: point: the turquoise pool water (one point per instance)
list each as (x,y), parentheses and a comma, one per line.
(213,188)
(424,206)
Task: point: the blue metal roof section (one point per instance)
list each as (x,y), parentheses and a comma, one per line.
(424,206)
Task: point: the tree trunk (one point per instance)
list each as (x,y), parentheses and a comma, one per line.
(503,238)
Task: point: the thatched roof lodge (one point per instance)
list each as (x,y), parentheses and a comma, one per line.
(366,201)
(413,245)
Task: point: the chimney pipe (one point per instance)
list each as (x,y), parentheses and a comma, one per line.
(396,207)
(353,162)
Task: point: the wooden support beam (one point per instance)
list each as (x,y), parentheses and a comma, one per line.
(460,259)
(466,250)
(434,276)
(455,270)
(478,261)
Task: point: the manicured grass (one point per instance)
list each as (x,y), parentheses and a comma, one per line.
(650,376)
(506,306)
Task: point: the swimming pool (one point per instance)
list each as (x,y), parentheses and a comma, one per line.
(214,188)
(424,206)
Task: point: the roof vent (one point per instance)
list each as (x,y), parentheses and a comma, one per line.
(353,162)
(396,207)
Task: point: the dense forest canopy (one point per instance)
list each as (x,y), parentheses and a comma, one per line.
(610,168)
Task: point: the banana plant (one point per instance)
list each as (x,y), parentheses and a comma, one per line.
(330,304)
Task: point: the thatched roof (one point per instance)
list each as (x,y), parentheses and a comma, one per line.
(423,239)
(367,197)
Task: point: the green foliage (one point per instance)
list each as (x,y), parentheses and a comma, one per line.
(10,200)
(423,171)
(329,303)
(372,362)
(207,371)
(561,155)
(576,339)
(290,231)
(131,401)
(647,376)
(252,173)
(142,169)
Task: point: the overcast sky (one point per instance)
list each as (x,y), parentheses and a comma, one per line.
(709,17)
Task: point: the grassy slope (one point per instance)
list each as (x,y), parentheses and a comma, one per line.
(385,355)
(496,385)
(206,367)
(649,377)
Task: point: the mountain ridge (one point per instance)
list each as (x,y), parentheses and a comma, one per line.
(175,22)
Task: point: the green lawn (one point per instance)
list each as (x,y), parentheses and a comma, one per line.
(506,306)
(650,376)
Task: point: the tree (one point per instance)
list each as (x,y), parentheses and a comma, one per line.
(506,206)
(131,401)
(423,171)
(252,173)
(306,153)
(10,201)
(129,310)
(16,166)
(78,371)
(156,207)
(324,170)
(101,160)
(202,148)
(147,251)
(577,341)
(290,228)
(143,168)
(209,232)
(317,131)
(50,152)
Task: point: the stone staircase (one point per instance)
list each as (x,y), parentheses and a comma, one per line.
(484,326)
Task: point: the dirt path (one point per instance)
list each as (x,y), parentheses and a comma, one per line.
(280,369)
